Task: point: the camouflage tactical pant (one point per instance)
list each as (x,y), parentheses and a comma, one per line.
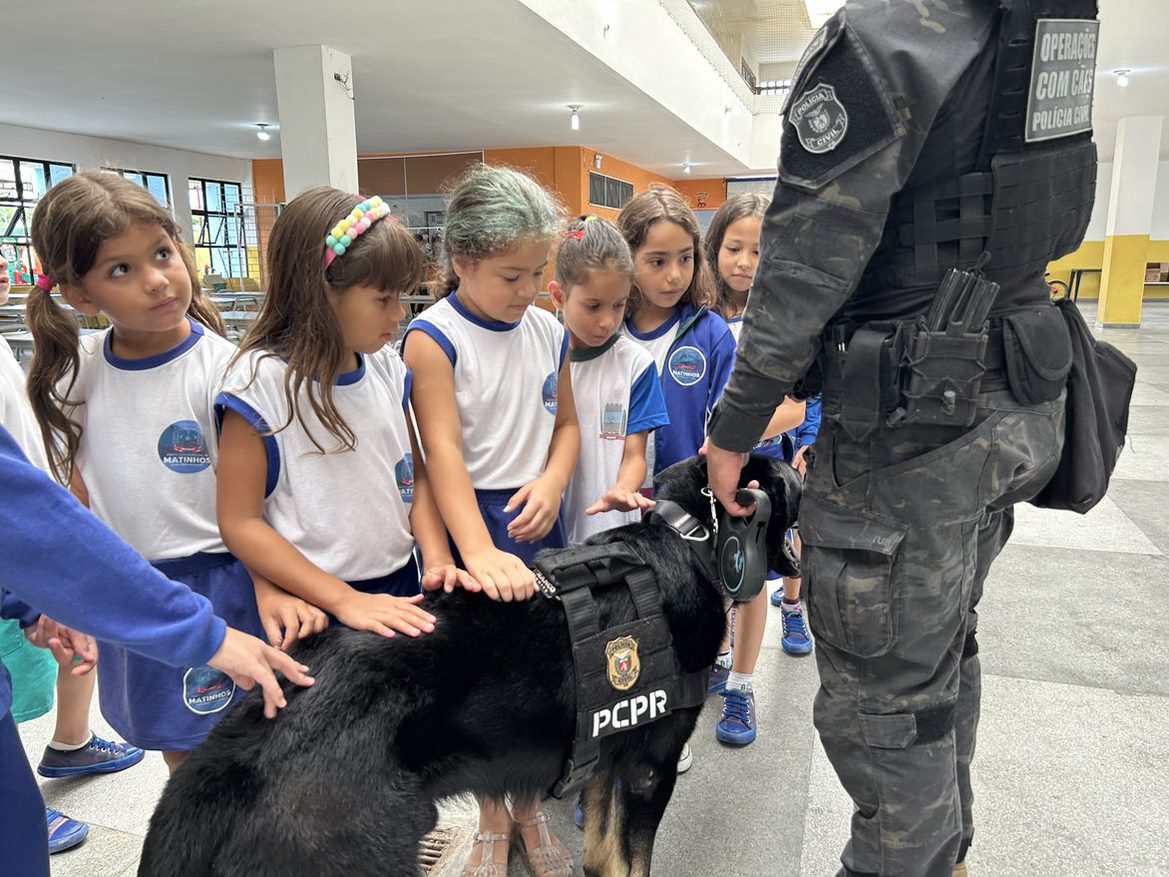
(899,533)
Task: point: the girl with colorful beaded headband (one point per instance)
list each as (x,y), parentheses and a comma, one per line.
(314,419)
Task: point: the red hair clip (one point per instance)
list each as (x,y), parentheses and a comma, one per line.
(577,234)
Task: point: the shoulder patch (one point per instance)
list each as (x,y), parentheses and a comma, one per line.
(840,114)
(820,120)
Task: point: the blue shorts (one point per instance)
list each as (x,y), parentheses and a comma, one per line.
(491,507)
(156,706)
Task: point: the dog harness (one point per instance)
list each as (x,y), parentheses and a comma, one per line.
(628,675)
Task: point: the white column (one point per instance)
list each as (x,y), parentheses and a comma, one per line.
(1130,220)
(318,138)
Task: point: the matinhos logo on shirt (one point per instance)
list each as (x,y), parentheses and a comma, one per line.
(182,448)
(687,366)
(550,393)
(404,475)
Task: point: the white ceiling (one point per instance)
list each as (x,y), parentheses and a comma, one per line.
(429,76)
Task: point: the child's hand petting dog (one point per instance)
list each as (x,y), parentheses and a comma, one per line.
(286,618)
(504,576)
(383,614)
(446,576)
(541,502)
(621,500)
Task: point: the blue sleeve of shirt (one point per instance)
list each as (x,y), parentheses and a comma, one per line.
(806,432)
(406,387)
(64,562)
(13,609)
(647,403)
(722,360)
(564,348)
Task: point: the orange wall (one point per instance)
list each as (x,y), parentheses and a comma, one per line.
(715,190)
(563,169)
(268,180)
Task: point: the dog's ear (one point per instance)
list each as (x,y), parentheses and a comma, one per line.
(780,482)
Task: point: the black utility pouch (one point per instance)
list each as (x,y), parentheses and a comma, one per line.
(1038,352)
(941,374)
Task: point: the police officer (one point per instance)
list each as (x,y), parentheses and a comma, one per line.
(918,137)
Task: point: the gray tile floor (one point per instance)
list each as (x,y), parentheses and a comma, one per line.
(1073,758)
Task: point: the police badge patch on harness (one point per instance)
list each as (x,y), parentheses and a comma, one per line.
(820,120)
(622,662)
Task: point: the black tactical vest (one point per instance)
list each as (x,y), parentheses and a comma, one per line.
(1025,194)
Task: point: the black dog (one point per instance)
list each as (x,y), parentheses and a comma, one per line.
(344,781)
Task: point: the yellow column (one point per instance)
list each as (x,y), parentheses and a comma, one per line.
(1130,217)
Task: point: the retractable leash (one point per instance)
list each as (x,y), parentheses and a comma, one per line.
(740,544)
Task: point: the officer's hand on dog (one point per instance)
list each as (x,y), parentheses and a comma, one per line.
(71,648)
(250,662)
(503,576)
(723,469)
(447,577)
(541,502)
(618,499)
(287,618)
(384,614)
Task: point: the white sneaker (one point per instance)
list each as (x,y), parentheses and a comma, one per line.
(686,759)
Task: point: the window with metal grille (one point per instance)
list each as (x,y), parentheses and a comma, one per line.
(23,182)
(216,227)
(157,185)
(608,192)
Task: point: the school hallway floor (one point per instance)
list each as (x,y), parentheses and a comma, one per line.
(1073,754)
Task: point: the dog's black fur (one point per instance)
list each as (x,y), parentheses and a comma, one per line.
(344,781)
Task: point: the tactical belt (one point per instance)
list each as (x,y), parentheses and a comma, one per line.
(627,675)
(868,368)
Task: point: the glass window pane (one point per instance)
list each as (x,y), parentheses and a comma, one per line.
(231,196)
(58,172)
(156,183)
(215,229)
(33,181)
(198,229)
(231,227)
(7,180)
(195,194)
(215,197)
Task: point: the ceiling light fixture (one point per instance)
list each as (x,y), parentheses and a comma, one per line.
(597,159)
(686,166)
(574,119)
(262,134)
(1122,77)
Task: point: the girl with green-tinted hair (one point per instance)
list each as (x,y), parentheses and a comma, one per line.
(493,400)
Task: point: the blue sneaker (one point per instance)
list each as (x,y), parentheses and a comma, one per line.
(737,725)
(718,678)
(777,597)
(796,638)
(64,833)
(98,756)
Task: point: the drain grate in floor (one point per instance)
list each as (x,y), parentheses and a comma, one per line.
(439,848)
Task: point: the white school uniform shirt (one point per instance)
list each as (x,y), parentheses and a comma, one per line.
(149,444)
(735,324)
(505,387)
(16,413)
(346,511)
(618,393)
